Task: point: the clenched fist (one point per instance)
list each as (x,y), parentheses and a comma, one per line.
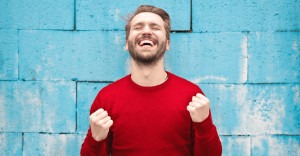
(199,108)
(100,123)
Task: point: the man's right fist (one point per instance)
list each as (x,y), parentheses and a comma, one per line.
(100,123)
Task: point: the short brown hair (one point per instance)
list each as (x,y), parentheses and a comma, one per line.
(148,8)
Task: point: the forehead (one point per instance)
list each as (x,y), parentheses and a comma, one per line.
(147,17)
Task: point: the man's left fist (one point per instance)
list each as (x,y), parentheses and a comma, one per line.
(199,108)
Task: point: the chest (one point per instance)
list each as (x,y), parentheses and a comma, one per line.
(150,117)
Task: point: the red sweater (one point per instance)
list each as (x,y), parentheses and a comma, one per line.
(152,121)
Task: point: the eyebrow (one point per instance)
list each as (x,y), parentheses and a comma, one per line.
(141,23)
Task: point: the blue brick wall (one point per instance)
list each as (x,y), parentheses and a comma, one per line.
(55,56)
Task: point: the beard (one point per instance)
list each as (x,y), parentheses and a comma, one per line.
(150,59)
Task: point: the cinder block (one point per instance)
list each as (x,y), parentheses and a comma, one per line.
(37,106)
(111,15)
(254,109)
(86,94)
(276,145)
(11,144)
(8,54)
(274,57)
(37,14)
(237,15)
(235,145)
(280,15)
(52,144)
(84,55)
(208,57)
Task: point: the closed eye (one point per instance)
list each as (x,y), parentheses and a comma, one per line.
(155,28)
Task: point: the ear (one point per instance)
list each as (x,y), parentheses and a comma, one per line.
(126,42)
(168,45)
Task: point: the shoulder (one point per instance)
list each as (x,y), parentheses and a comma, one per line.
(185,84)
(115,86)
(182,81)
(109,93)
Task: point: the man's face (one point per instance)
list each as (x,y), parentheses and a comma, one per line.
(147,41)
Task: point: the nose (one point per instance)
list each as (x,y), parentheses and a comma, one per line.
(146,30)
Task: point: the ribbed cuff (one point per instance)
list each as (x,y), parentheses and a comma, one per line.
(203,128)
(93,143)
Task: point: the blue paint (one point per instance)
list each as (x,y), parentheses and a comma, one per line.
(37,14)
(8,54)
(208,57)
(254,109)
(67,55)
(110,15)
(253,16)
(38,106)
(243,54)
(11,143)
(52,144)
(275,145)
(86,94)
(236,145)
(274,57)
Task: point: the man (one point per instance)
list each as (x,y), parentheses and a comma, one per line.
(151,111)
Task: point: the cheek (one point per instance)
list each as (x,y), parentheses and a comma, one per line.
(133,35)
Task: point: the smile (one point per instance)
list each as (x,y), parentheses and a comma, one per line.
(146,43)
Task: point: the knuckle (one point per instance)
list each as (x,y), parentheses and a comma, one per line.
(92,120)
(105,113)
(100,122)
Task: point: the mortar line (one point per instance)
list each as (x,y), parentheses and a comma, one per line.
(76,106)
(22,143)
(252,135)
(217,83)
(225,135)
(251,145)
(18,32)
(172,31)
(191,20)
(247,58)
(74,15)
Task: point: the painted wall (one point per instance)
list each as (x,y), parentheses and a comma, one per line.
(56,55)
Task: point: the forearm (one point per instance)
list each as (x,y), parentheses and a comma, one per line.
(91,147)
(206,139)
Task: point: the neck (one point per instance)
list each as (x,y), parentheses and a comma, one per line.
(148,75)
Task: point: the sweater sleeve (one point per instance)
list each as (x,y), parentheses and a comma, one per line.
(90,146)
(205,138)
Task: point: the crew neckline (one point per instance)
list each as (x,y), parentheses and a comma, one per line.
(165,83)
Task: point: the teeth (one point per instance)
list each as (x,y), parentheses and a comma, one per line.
(146,41)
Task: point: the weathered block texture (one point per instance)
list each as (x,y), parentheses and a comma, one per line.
(55,56)
(254,109)
(209,57)
(112,15)
(250,15)
(274,57)
(8,54)
(52,144)
(37,14)
(10,144)
(86,94)
(66,55)
(37,106)
(276,145)
(235,145)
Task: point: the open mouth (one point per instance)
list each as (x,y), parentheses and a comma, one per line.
(146,43)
